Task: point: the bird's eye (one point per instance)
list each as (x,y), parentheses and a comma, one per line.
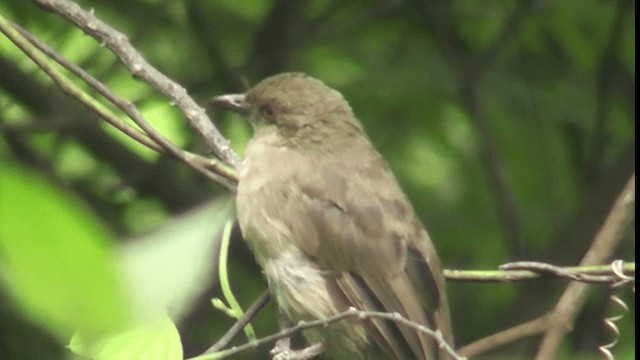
(268,112)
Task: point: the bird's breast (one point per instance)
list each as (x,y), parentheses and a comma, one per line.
(268,201)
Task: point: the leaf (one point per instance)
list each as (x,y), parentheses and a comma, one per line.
(158,340)
(168,269)
(57,259)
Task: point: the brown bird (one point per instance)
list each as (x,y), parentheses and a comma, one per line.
(330,226)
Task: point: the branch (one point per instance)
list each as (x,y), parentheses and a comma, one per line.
(132,112)
(603,245)
(470,94)
(348,314)
(483,61)
(203,25)
(559,321)
(609,67)
(117,42)
(283,351)
(30,46)
(23,40)
(322,29)
(470,69)
(603,274)
(444,35)
(280,34)
(504,337)
(542,323)
(241,323)
(529,270)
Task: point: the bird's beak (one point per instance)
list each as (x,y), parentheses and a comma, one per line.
(235,102)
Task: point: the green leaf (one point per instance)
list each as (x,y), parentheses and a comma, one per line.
(168,269)
(158,340)
(56,258)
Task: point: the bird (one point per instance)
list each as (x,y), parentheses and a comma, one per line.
(330,226)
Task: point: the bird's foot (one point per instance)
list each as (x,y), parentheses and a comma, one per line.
(282,351)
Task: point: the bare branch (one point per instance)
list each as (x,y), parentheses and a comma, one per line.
(240,324)
(135,62)
(285,353)
(529,270)
(559,321)
(606,88)
(127,107)
(17,36)
(620,277)
(470,69)
(504,337)
(349,314)
(603,245)
(509,29)
(21,39)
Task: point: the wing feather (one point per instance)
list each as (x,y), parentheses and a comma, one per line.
(367,232)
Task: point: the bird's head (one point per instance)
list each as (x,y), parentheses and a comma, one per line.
(291,102)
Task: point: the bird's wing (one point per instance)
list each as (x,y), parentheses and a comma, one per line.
(367,233)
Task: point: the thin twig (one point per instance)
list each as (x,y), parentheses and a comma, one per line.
(573,297)
(437,21)
(470,69)
(309,352)
(234,330)
(561,318)
(17,36)
(539,325)
(124,105)
(606,89)
(348,314)
(529,270)
(590,274)
(118,43)
(324,30)
(127,107)
(507,32)
(471,76)
(504,337)
(73,90)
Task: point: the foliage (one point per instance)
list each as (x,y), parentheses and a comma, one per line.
(509,123)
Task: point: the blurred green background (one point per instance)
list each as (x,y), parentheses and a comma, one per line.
(510,125)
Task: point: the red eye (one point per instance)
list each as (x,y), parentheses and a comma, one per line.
(268,112)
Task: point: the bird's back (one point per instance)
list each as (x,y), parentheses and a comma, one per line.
(335,231)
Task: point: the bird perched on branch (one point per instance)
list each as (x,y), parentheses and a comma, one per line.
(330,226)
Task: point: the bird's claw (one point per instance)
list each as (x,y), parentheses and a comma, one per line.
(282,351)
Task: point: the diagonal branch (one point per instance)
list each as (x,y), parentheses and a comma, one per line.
(573,297)
(529,270)
(117,42)
(237,327)
(27,44)
(609,68)
(558,322)
(505,337)
(351,313)
(470,69)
